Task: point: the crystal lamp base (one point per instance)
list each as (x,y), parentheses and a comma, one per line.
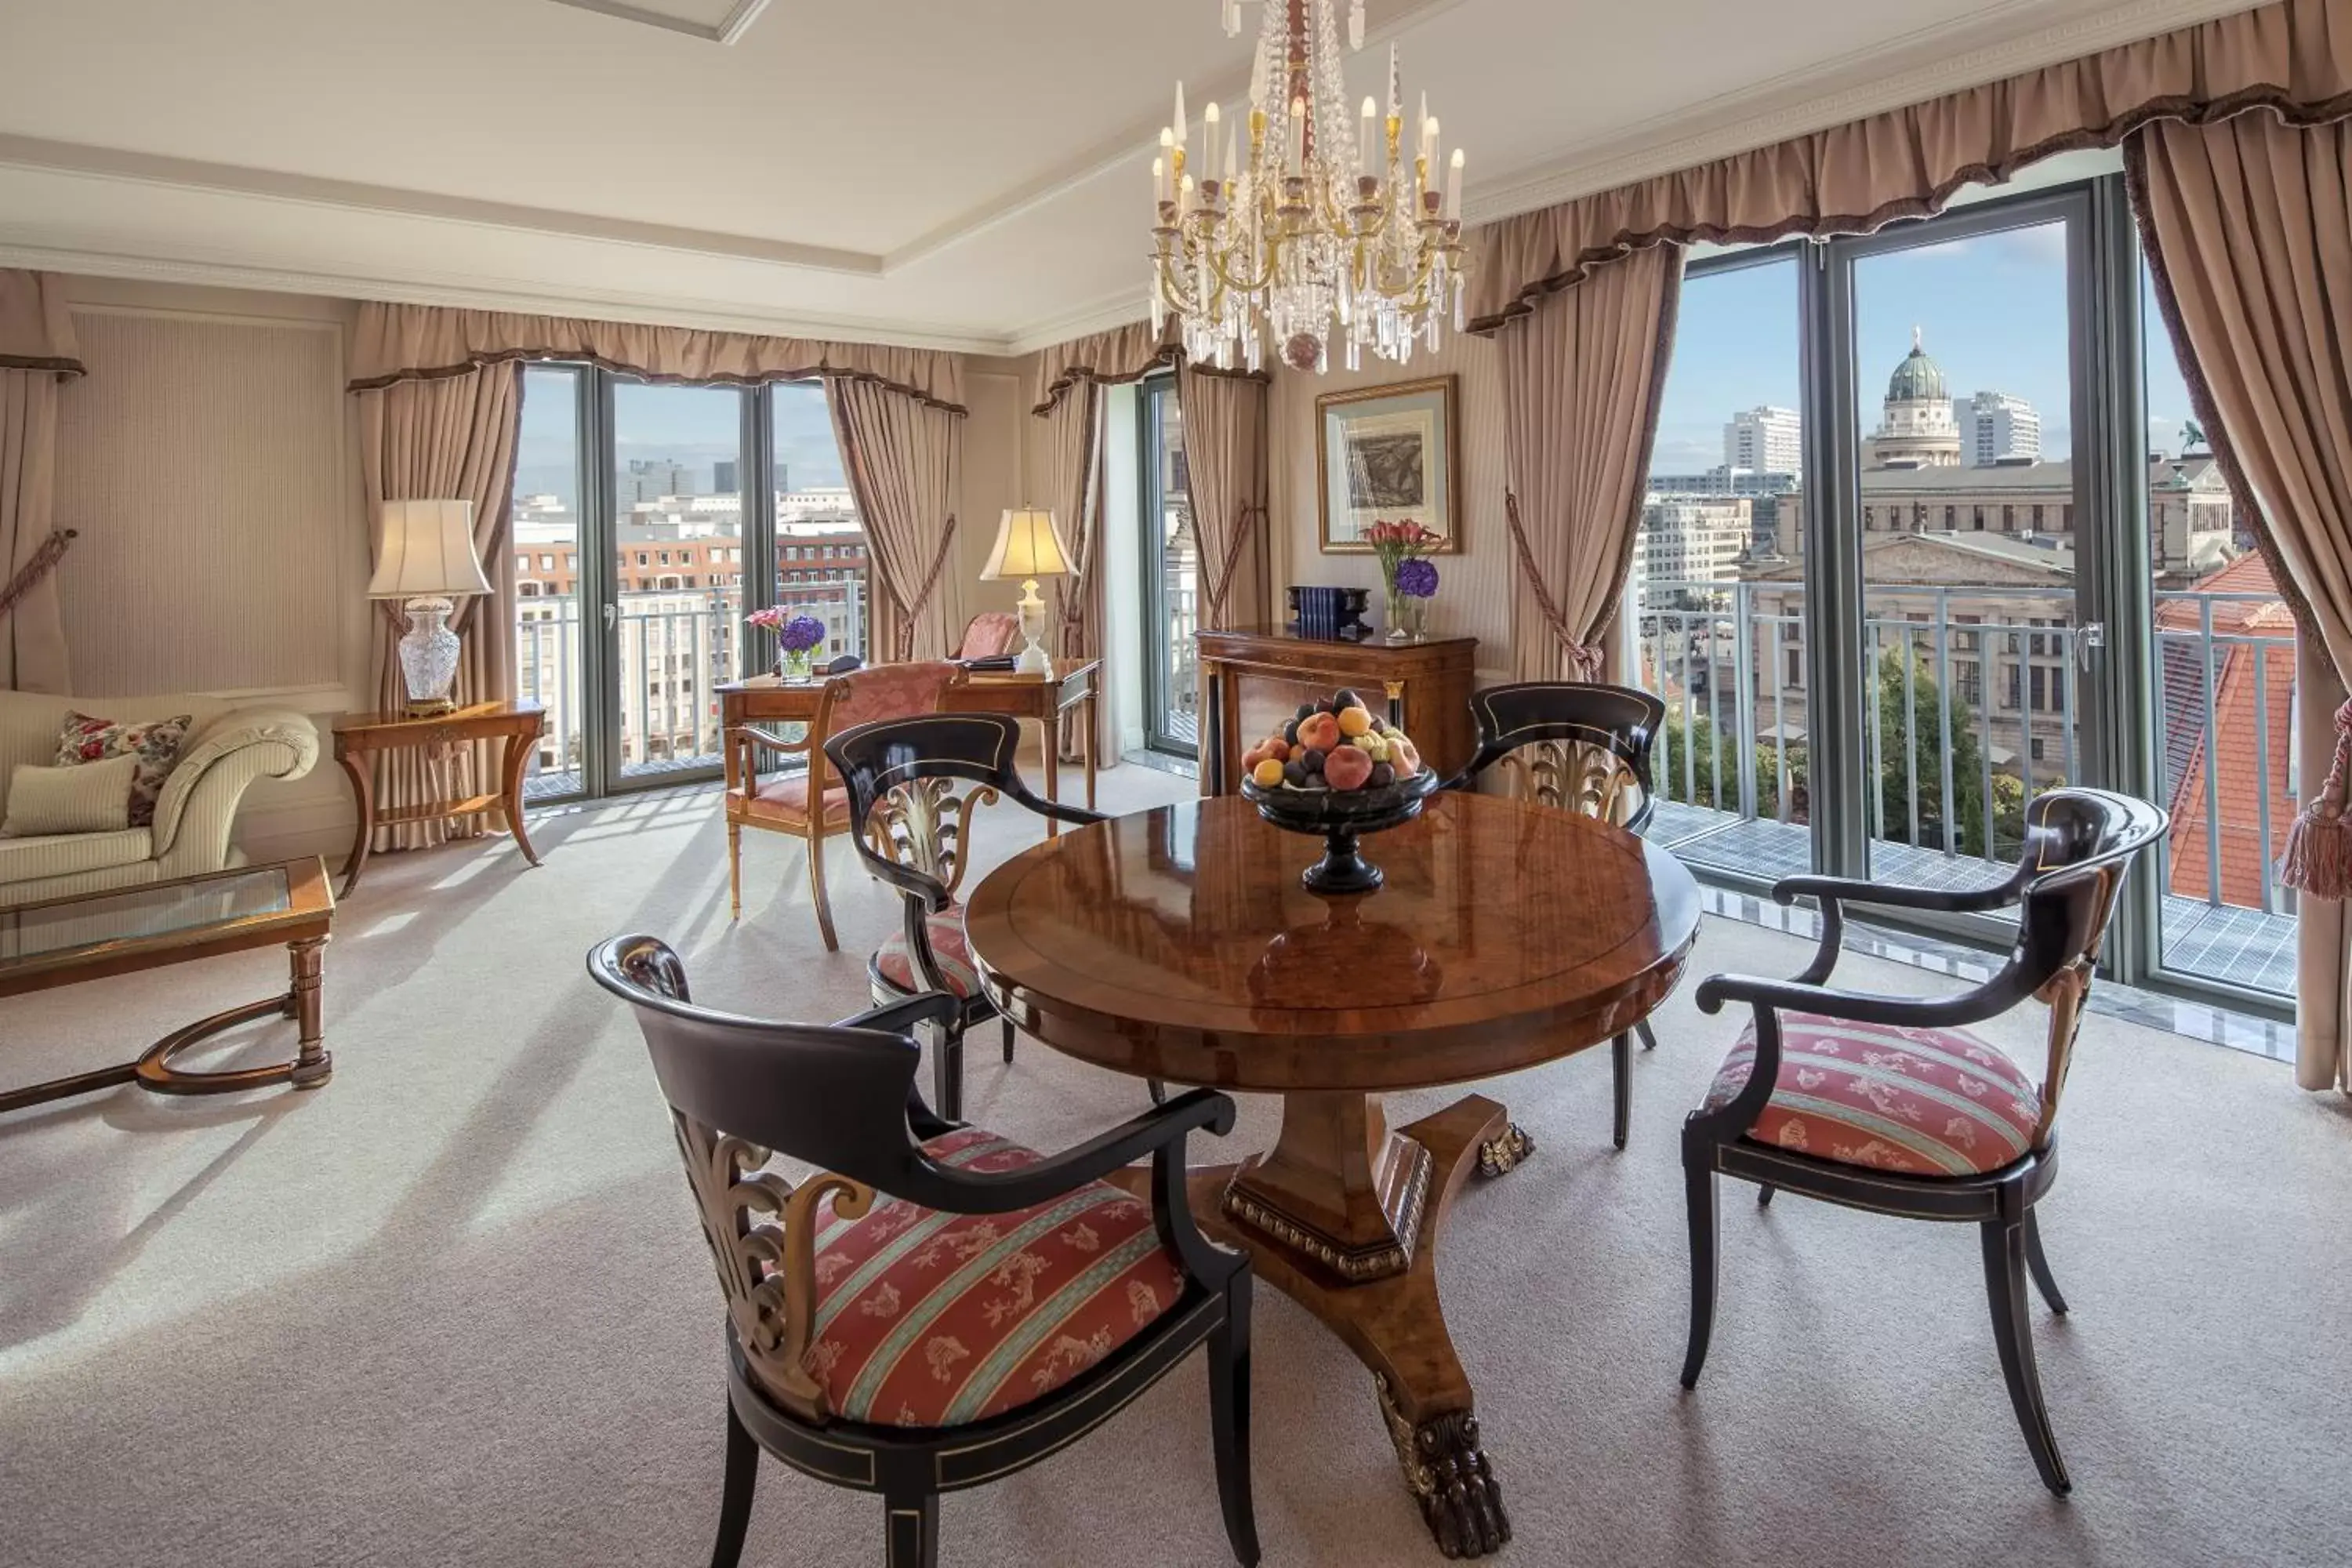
(429,657)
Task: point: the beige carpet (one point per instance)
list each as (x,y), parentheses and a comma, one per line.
(453,1310)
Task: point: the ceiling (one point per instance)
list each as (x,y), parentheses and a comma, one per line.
(964,173)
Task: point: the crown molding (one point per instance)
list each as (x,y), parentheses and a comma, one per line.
(1914,68)
(98,259)
(1112,311)
(726,30)
(309,190)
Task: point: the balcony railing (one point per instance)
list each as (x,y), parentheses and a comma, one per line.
(671,659)
(1973,706)
(1181,721)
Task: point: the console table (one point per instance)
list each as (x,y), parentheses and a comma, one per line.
(360,736)
(1255,679)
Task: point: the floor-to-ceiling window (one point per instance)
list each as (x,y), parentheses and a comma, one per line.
(1928,533)
(1170,587)
(649,520)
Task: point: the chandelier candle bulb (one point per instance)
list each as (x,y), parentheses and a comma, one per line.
(1364,165)
(1179,124)
(1454,188)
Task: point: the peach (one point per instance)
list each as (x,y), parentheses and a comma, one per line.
(1267,773)
(1403,755)
(1321,732)
(1250,758)
(1347,768)
(1355,722)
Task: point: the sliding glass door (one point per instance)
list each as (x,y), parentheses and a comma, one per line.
(1928,533)
(1170,576)
(648,520)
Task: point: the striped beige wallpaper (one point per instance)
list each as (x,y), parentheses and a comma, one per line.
(205,462)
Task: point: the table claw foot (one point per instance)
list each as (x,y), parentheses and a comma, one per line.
(1448,1474)
(1498,1156)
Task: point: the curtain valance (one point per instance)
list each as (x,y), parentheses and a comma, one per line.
(1122,354)
(424,343)
(36,332)
(2295,58)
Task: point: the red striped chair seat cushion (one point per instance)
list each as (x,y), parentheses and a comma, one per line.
(1921,1102)
(950,951)
(926,1319)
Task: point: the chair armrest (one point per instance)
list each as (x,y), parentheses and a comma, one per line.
(269,743)
(901,1016)
(1886,895)
(770,738)
(1989,1000)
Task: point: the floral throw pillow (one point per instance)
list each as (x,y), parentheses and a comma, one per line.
(155,743)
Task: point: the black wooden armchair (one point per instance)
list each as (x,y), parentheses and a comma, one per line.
(967,1307)
(911,825)
(1889,1104)
(1582,747)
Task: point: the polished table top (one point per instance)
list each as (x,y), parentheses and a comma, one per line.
(1178,943)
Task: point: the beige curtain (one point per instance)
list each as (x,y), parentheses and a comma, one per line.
(902,455)
(450,438)
(38,355)
(1104,359)
(1852,178)
(1225,462)
(1073,485)
(408,343)
(1580,382)
(2248,225)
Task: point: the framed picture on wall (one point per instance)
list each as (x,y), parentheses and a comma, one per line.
(1385,454)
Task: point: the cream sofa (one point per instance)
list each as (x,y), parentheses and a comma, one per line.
(227,749)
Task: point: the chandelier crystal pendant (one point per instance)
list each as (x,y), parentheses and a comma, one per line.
(1297,226)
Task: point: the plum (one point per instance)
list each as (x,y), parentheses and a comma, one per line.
(1311,760)
(1383,775)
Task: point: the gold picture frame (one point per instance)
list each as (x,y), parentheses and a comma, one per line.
(1399,457)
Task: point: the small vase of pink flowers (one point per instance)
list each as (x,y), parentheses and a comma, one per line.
(798,636)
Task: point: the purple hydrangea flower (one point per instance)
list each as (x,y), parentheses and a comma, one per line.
(800,634)
(1416,579)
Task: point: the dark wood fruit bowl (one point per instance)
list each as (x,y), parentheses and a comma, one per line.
(1339,817)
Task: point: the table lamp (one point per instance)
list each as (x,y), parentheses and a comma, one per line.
(1028,547)
(426,558)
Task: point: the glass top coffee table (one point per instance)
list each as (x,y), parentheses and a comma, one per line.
(125,930)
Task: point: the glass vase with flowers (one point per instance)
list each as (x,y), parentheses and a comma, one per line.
(798,636)
(1403,548)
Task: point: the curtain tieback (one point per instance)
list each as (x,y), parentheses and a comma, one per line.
(39,565)
(1588,659)
(2319,845)
(1215,588)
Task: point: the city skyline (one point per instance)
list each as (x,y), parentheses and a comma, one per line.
(696,427)
(1992,310)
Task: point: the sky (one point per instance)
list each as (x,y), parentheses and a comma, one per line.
(696,425)
(1992,310)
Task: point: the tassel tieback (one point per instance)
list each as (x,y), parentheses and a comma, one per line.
(2319,845)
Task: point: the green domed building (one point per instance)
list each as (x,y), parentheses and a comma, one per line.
(1916,429)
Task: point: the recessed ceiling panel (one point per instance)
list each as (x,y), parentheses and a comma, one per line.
(720,21)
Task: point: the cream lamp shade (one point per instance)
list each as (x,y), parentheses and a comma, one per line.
(1027,545)
(427,552)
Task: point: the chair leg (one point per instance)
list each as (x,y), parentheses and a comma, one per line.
(735,1496)
(734,870)
(816,893)
(1229,1422)
(1008,1042)
(913,1525)
(1764,1190)
(947,1073)
(1649,1035)
(1621,1053)
(2043,1280)
(1698,1185)
(1158,1088)
(2012,1334)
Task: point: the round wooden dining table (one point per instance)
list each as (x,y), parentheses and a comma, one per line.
(1179,944)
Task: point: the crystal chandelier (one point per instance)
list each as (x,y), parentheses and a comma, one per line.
(1283,227)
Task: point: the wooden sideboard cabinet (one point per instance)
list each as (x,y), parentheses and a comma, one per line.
(1251,680)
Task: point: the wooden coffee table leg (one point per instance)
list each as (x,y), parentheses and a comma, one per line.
(312,1065)
(1295,1226)
(1052,728)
